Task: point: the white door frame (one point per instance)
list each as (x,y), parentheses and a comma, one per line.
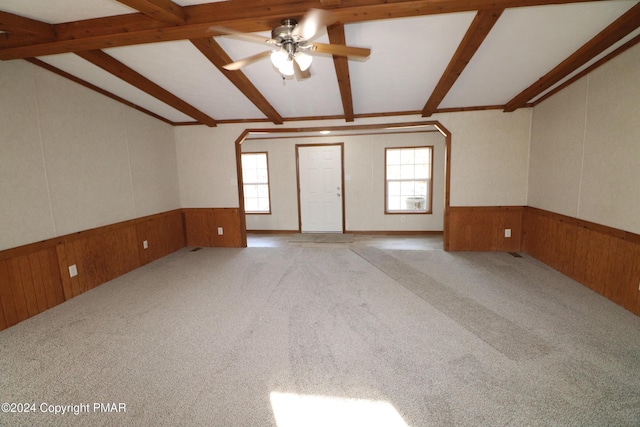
(341,145)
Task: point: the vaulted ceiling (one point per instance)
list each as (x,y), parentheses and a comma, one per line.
(427,56)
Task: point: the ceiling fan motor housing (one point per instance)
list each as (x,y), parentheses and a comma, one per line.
(283,36)
(282,33)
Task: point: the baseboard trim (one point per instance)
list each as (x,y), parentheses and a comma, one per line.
(398,232)
(273,231)
(362,232)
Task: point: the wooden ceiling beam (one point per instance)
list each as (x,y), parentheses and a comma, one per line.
(341,63)
(20,25)
(621,27)
(475,35)
(8,40)
(240,15)
(120,70)
(161,10)
(218,57)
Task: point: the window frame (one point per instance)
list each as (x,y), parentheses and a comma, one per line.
(245,183)
(429,180)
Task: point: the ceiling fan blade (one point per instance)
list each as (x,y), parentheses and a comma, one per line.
(246,61)
(315,19)
(300,75)
(246,36)
(341,50)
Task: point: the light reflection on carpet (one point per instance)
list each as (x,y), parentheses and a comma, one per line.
(295,410)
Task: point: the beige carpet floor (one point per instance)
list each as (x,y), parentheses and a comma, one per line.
(340,335)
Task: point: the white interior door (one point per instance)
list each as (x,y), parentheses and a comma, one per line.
(320,185)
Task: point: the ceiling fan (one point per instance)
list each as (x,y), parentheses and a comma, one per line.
(292,44)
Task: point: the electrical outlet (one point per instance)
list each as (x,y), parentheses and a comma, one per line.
(73,270)
(507,232)
(145,244)
(220,231)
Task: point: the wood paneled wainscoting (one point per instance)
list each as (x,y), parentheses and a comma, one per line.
(482,228)
(219,227)
(36,277)
(604,259)
(30,283)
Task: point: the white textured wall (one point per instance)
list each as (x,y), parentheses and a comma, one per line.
(153,163)
(364,182)
(25,208)
(556,151)
(489,168)
(73,159)
(489,157)
(364,164)
(207,166)
(585,149)
(283,186)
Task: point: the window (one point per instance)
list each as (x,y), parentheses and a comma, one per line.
(408,177)
(255,178)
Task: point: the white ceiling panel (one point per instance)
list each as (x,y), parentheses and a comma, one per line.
(524,45)
(181,69)
(315,96)
(58,11)
(408,56)
(88,72)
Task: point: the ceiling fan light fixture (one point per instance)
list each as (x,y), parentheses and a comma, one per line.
(286,68)
(304,60)
(279,58)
